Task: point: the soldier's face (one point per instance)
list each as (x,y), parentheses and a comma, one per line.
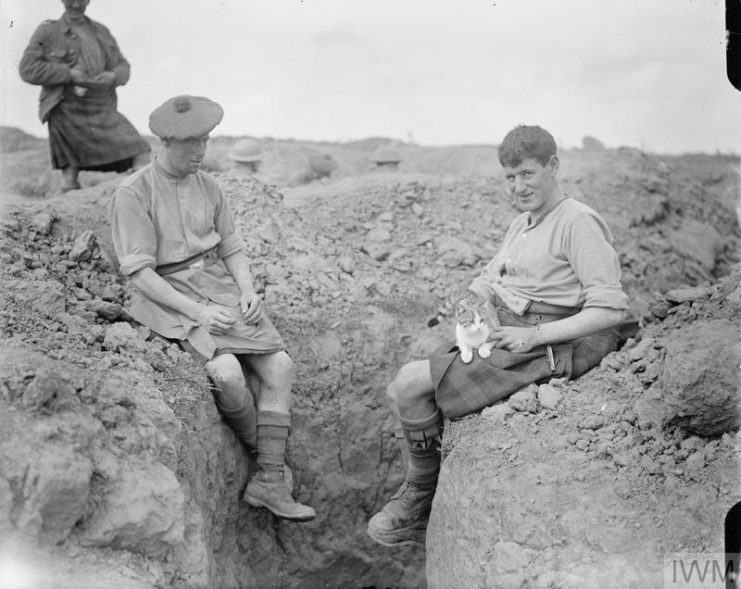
(75,8)
(185,156)
(533,185)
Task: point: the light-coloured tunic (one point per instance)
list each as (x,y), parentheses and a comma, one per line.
(564,257)
(159,219)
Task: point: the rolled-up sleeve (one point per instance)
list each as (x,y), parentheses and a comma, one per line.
(588,242)
(230,242)
(134,234)
(490,273)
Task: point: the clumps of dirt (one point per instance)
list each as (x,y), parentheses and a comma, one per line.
(87,409)
(146,410)
(393,231)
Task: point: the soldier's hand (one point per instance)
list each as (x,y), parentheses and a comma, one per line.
(105,79)
(78,76)
(251,304)
(215,320)
(515,339)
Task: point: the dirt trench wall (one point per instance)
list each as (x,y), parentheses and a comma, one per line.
(113,459)
(123,433)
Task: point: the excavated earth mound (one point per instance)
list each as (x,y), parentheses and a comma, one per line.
(115,469)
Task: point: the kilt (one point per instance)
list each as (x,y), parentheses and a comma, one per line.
(209,283)
(461,389)
(90,134)
(257,339)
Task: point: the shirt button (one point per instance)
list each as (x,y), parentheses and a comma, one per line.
(509,260)
(524,235)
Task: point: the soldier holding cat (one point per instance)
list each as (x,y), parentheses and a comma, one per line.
(557,299)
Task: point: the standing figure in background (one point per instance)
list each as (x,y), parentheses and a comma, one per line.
(78,63)
(246,155)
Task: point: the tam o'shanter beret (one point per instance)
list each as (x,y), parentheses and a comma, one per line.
(183,117)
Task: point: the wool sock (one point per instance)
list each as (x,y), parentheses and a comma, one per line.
(242,421)
(273,428)
(424,437)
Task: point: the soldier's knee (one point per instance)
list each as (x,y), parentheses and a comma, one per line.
(285,365)
(225,371)
(392,393)
(406,387)
(278,370)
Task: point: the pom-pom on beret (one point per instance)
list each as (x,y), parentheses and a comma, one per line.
(183,117)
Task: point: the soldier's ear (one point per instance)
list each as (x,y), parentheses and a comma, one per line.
(553,164)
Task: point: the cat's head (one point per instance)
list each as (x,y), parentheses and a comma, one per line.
(470,313)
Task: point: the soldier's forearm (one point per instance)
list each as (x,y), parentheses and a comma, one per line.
(154,287)
(239,267)
(586,322)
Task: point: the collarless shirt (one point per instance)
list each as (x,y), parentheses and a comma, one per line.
(157,218)
(563,257)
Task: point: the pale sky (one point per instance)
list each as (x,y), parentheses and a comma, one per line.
(642,73)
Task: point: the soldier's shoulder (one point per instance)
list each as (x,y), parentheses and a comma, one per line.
(98,25)
(208,179)
(47,27)
(136,181)
(49,22)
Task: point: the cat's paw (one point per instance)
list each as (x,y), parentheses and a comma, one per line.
(466,356)
(484,352)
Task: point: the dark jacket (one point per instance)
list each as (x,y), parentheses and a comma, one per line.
(52,51)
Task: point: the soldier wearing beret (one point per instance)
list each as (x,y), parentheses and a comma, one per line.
(177,243)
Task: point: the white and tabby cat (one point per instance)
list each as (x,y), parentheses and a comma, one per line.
(476,317)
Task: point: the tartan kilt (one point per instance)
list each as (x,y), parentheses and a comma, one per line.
(461,389)
(90,134)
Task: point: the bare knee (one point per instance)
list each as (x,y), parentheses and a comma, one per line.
(282,370)
(275,370)
(412,385)
(284,365)
(225,369)
(226,373)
